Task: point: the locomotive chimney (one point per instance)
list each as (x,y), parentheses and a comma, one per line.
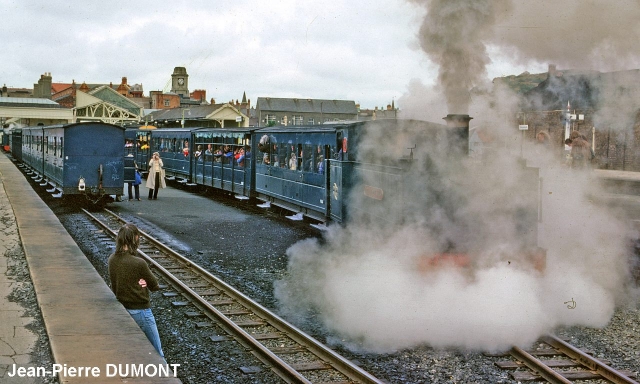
(459,131)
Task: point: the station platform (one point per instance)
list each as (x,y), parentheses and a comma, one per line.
(92,337)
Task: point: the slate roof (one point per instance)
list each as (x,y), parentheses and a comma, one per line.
(306,105)
(194,113)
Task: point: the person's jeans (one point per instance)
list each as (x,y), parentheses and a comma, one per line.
(147,323)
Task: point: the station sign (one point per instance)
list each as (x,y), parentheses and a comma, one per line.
(523,127)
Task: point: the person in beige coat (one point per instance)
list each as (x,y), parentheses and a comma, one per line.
(155,180)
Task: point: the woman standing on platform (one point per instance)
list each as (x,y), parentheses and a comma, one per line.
(155,180)
(131,281)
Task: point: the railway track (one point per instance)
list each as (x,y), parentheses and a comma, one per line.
(556,361)
(287,351)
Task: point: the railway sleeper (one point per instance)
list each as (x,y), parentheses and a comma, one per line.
(288,350)
(312,366)
(569,375)
(550,363)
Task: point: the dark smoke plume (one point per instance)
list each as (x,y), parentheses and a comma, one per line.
(453,35)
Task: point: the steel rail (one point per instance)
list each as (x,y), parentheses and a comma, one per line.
(538,366)
(588,361)
(337,361)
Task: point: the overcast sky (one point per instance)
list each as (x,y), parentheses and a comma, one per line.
(366,51)
(359,50)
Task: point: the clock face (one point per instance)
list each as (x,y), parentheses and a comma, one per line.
(180,81)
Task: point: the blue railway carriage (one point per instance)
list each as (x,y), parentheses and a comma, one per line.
(15,143)
(335,172)
(77,159)
(221,158)
(290,167)
(174,147)
(374,174)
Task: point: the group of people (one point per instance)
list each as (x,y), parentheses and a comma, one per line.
(295,160)
(155,180)
(581,153)
(224,154)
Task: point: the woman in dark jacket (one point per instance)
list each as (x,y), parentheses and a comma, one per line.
(131,281)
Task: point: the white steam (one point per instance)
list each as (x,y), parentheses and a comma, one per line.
(370,281)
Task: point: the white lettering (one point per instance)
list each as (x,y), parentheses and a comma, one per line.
(62,370)
(57,368)
(163,370)
(146,370)
(111,370)
(141,370)
(137,371)
(95,372)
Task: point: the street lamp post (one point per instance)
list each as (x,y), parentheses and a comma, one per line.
(182,121)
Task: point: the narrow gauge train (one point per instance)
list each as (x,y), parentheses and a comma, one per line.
(335,172)
(80,159)
(309,170)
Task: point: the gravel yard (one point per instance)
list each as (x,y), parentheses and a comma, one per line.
(247,248)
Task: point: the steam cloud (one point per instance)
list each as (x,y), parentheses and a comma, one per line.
(368,282)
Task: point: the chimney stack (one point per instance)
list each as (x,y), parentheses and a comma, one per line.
(459,131)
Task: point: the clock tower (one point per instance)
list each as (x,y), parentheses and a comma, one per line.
(180,81)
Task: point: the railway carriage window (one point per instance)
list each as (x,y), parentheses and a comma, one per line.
(318,157)
(61,147)
(273,155)
(282,155)
(299,153)
(307,158)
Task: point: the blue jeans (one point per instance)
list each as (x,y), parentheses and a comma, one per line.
(147,323)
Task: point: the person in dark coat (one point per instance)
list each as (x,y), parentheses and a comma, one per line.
(131,280)
(580,151)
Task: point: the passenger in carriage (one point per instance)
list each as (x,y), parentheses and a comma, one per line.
(185,148)
(217,155)
(293,162)
(239,157)
(228,155)
(320,165)
(198,153)
(208,153)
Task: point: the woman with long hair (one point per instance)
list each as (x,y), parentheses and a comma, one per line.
(131,281)
(155,180)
